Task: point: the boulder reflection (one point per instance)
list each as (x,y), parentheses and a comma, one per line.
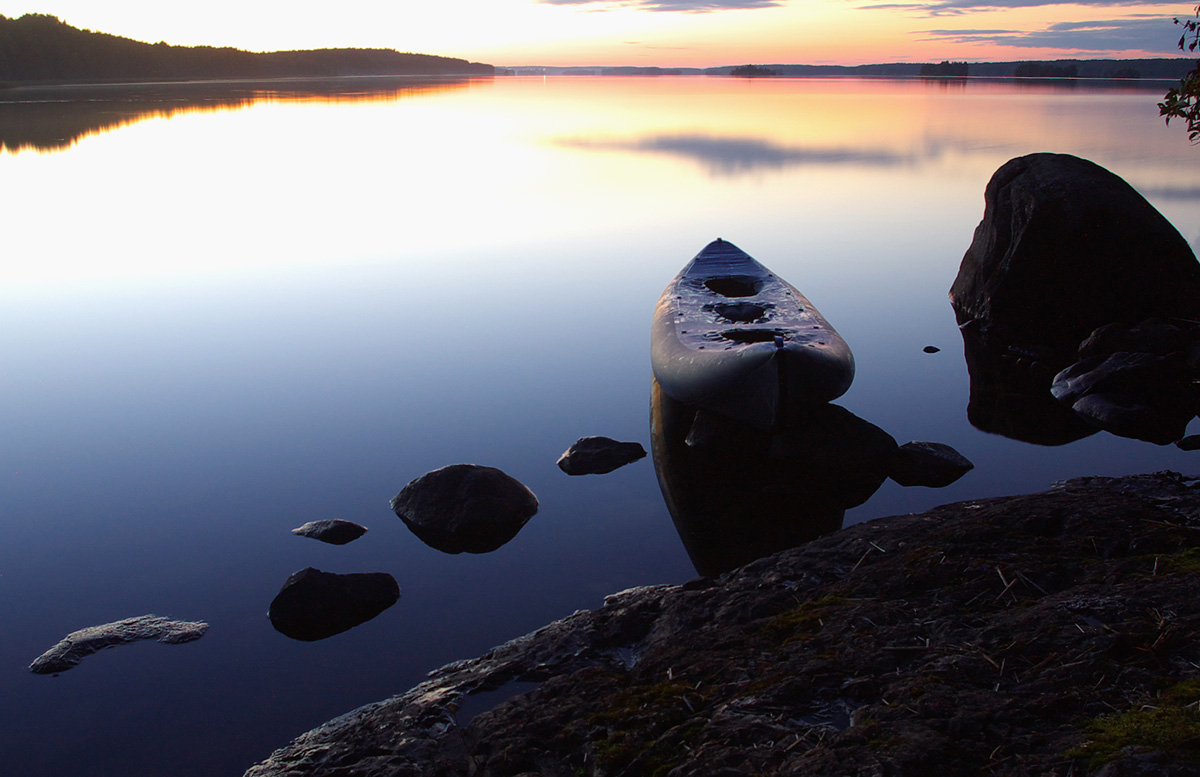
(737,494)
(1010,395)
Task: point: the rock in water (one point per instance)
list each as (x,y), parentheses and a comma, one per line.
(599,456)
(1136,383)
(1189,443)
(313,605)
(465,508)
(867,651)
(78,645)
(931,464)
(335,531)
(1064,247)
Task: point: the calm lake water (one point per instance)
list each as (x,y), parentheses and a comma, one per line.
(227,312)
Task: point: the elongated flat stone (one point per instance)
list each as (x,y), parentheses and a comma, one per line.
(78,645)
(335,531)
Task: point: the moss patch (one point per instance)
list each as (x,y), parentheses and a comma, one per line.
(801,622)
(1187,561)
(645,723)
(1172,725)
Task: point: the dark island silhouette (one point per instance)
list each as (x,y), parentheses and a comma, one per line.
(40,48)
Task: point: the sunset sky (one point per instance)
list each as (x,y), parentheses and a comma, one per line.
(652,32)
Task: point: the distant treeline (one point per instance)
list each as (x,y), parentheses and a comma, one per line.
(1172,69)
(41,48)
(1160,69)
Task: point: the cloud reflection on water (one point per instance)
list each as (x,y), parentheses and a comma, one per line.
(730,156)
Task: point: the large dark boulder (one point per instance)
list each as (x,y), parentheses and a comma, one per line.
(1064,247)
(465,508)
(313,605)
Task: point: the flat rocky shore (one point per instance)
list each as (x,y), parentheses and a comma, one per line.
(1046,634)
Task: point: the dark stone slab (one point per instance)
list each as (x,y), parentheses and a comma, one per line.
(465,508)
(599,456)
(313,605)
(78,645)
(1113,372)
(1146,394)
(1127,416)
(334,531)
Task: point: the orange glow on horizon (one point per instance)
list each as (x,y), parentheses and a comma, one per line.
(529,32)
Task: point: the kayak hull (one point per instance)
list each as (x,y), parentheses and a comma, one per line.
(732,337)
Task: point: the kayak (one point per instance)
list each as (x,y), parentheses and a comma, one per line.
(732,337)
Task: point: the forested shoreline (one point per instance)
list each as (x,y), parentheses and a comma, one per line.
(39,48)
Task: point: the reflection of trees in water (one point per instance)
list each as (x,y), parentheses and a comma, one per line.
(55,118)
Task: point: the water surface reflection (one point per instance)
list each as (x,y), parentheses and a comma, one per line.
(54,118)
(737,494)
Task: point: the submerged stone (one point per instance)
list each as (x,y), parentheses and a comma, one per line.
(313,605)
(599,456)
(1137,382)
(1128,416)
(78,645)
(335,531)
(465,508)
(1189,443)
(931,464)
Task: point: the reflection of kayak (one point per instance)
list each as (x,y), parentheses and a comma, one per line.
(730,336)
(737,493)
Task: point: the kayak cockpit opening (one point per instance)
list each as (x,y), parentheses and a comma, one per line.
(753,335)
(741,312)
(734,285)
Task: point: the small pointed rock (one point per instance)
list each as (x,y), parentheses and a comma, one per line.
(335,531)
(599,456)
